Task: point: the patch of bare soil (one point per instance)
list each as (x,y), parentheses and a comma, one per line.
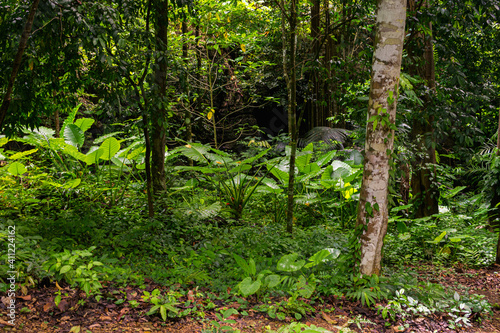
(37,312)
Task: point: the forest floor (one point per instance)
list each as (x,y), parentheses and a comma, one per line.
(36,311)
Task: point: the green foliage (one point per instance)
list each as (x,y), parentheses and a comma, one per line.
(367,289)
(76,267)
(164,304)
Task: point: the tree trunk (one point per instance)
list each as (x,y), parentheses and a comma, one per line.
(373,202)
(158,116)
(17,61)
(425,194)
(289,72)
(496,196)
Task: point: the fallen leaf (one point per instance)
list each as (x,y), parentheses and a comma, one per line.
(75,329)
(65,318)
(94,326)
(48,306)
(58,287)
(398,328)
(105,318)
(3,322)
(190,295)
(26,298)
(63,305)
(328,319)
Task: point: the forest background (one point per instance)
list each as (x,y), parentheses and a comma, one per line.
(216,145)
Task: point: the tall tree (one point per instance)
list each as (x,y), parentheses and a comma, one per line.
(159,112)
(373,201)
(420,50)
(290,73)
(17,60)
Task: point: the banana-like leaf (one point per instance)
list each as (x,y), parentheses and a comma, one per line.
(104,137)
(110,147)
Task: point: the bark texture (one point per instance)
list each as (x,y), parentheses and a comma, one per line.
(158,117)
(373,203)
(17,61)
(425,194)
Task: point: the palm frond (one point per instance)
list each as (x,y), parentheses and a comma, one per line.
(334,138)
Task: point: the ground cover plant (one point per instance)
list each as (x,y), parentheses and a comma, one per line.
(249,166)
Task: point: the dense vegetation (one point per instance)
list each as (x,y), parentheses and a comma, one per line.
(151,143)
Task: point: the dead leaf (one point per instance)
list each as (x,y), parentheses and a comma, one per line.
(58,287)
(48,306)
(94,326)
(26,298)
(65,318)
(5,301)
(75,329)
(63,305)
(398,328)
(105,318)
(190,295)
(328,319)
(3,322)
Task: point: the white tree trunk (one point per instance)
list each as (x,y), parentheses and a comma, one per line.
(373,203)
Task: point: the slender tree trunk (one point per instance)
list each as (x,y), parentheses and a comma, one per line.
(496,196)
(17,61)
(373,204)
(425,194)
(158,116)
(289,72)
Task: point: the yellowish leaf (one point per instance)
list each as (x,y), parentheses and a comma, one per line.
(243,47)
(210,115)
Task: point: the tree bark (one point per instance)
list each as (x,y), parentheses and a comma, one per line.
(496,195)
(373,204)
(17,61)
(425,194)
(159,112)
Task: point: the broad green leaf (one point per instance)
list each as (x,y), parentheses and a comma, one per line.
(71,151)
(196,152)
(251,265)
(17,169)
(73,183)
(65,269)
(306,287)
(3,140)
(242,263)
(249,287)
(84,123)
(318,258)
(110,147)
(69,119)
(93,156)
(272,280)
(287,263)
(22,154)
(163,312)
(104,137)
(74,135)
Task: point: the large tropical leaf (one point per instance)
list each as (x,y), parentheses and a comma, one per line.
(93,155)
(288,263)
(69,119)
(110,147)
(84,123)
(74,135)
(249,287)
(17,168)
(195,151)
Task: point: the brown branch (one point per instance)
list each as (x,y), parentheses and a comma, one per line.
(17,61)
